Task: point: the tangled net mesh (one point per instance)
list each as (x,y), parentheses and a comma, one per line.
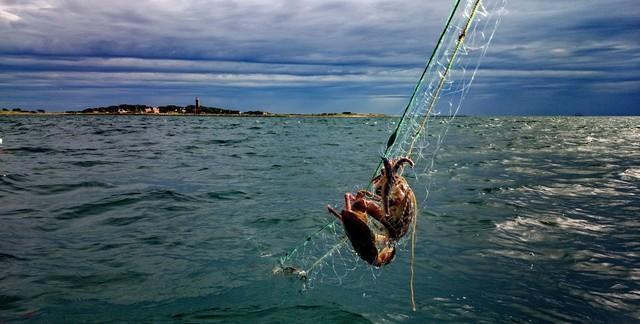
(326,256)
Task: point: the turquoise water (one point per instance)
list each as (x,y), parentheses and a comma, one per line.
(107,219)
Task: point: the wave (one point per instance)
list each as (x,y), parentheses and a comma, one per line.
(88,164)
(30,149)
(228,195)
(630,175)
(119,201)
(320,314)
(224,142)
(8,257)
(66,187)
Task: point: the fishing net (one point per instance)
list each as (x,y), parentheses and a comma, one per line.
(326,256)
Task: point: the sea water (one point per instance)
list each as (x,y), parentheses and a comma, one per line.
(157,218)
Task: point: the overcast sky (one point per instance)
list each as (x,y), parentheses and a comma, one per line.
(547,56)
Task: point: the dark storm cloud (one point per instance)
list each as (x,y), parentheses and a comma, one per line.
(548,57)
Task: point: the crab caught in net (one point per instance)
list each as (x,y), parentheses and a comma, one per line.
(374,223)
(393,205)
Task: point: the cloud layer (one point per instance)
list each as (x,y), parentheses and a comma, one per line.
(311,56)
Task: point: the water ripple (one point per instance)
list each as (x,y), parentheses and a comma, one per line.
(135,219)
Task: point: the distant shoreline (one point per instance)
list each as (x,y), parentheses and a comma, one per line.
(266,115)
(174,110)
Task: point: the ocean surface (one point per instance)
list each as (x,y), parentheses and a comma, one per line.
(185,219)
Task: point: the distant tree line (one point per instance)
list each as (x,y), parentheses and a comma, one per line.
(131,109)
(20,110)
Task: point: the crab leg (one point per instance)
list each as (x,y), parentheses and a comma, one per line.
(400,162)
(365,194)
(334,212)
(388,173)
(348,198)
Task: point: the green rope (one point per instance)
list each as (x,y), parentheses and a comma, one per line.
(393,136)
(443,77)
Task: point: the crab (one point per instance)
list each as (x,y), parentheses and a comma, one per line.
(393,205)
(398,200)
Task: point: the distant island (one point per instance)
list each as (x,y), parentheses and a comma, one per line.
(132,109)
(174,110)
(128,109)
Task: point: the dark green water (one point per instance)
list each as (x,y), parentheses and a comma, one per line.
(109,219)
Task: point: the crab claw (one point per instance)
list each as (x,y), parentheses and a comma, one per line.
(385,256)
(398,164)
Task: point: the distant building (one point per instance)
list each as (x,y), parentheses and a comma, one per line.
(152,110)
(257,112)
(197,105)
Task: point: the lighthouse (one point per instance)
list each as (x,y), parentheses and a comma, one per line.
(197,105)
